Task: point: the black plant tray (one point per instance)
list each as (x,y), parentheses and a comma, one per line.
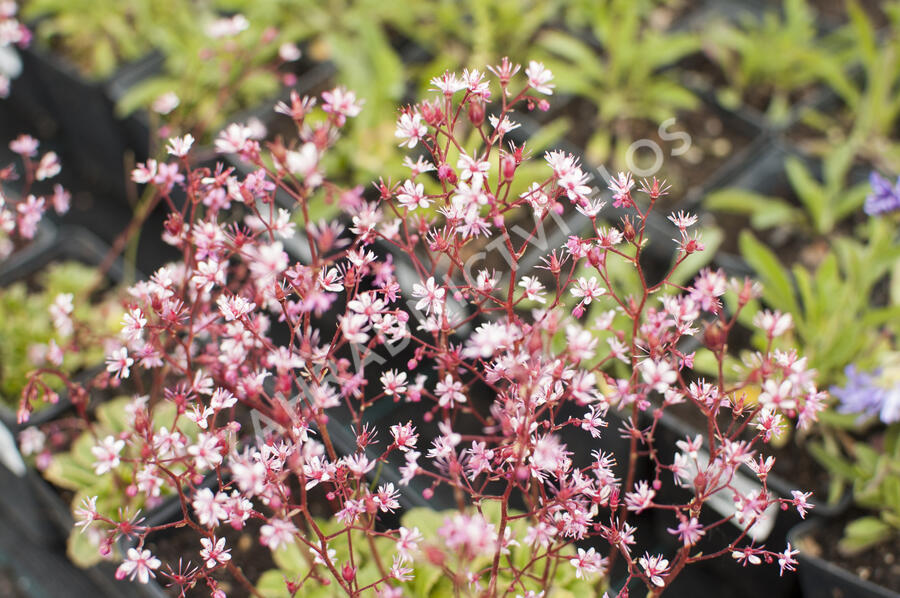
(55,99)
(823,579)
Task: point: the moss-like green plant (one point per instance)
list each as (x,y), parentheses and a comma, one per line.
(27,327)
(98,36)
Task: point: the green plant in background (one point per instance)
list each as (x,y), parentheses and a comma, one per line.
(215,67)
(841,314)
(489,29)
(297,562)
(836,297)
(98,36)
(358,37)
(867,116)
(32,318)
(823,204)
(78,469)
(770,58)
(871,463)
(624,78)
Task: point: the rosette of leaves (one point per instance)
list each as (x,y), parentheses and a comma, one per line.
(835,298)
(864,73)
(823,203)
(74,470)
(771,58)
(429,580)
(27,327)
(622,72)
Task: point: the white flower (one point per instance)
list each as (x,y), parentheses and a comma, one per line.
(139,564)
(107,454)
(539,78)
(180,146)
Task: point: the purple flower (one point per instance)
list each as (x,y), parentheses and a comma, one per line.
(869,395)
(884,197)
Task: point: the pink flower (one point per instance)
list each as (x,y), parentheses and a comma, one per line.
(655,566)
(233,139)
(86,513)
(431,296)
(410,129)
(138,564)
(180,146)
(342,103)
(449,392)
(786,560)
(24,145)
(801,501)
(539,78)
(588,562)
(641,498)
(107,454)
(214,552)
(48,167)
(278,532)
(118,362)
(413,196)
(689,531)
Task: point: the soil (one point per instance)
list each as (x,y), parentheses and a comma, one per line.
(879,565)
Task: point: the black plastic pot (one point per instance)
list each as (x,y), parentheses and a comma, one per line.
(58,99)
(823,579)
(32,552)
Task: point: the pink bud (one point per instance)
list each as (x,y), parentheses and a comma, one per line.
(427,493)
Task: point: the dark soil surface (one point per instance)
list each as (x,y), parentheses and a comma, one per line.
(879,565)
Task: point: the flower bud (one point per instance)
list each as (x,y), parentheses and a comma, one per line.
(715,337)
(348,572)
(445,173)
(476,112)
(628,231)
(508,167)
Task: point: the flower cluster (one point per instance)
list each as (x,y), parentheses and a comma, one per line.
(19,218)
(295,327)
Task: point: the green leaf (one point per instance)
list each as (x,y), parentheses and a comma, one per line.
(834,463)
(864,533)
(778,291)
(81,550)
(810,192)
(290,560)
(68,472)
(764,211)
(271,584)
